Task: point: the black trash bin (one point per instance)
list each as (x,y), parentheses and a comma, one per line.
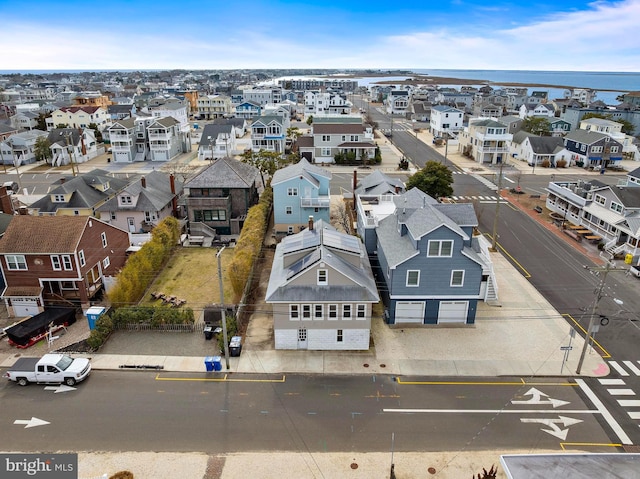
(235,346)
(208,332)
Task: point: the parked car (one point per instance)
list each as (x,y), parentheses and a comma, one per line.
(50,368)
(635,271)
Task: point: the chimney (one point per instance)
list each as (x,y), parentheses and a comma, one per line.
(6,205)
(174,200)
(310,223)
(62,180)
(143,182)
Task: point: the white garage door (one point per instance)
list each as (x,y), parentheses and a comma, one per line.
(453,311)
(24,307)
(410,312)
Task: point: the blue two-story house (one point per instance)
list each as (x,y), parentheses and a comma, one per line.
(300,191)
(434,269)
(593,149)
(248,110)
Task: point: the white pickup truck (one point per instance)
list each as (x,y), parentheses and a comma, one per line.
(635,271)
(50,368)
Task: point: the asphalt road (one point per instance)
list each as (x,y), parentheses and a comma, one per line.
(134,411)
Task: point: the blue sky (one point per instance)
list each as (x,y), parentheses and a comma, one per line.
(212,34)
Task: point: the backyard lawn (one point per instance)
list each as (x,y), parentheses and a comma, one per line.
(192,274)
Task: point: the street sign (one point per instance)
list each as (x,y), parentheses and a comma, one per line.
(566,348)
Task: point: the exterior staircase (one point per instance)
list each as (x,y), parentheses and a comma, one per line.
(613,249)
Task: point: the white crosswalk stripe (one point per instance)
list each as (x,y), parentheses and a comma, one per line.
(634,369)
(611,382)
(634,414)
(621,371)
(629,402)
(621,392)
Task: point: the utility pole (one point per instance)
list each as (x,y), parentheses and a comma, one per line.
(589,338)
(494,243)
(222,310)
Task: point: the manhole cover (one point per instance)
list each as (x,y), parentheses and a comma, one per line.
(354,465)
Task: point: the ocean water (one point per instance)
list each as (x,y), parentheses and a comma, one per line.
(608,84)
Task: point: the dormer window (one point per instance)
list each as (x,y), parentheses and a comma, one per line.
(58,199)
(126,200)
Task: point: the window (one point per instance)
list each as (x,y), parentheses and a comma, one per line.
(16,262)
(294,312)
(103,237)
(339,336)
(326,137)
(413,278)
(601,200)
(113,215)
(209,215)
(322,277)
(346,311)
(288,210)
(616,207)
(106,262)
(361,311)
(325,152)
(440,248)
(126,200)
(81,256)
(614,149)
(306,312)
(318,311)
(55,262)
(58,198)
(66,262)
(333,311)
(596,149)
(292,191)
(457,277)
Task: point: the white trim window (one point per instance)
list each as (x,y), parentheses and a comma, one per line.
(322,277)
(457,278)
(318,311)
(325,151)
(601,200)
(346,311)
(81,257)
(294,312)
(440,248)
(292,191)
(413,278)
(306,312)
(361,311)
(617,207)
(16,262)
(106,262)
(339,336)
(288,210)
(333,312)
(56,264)
(66,262)
(103,237)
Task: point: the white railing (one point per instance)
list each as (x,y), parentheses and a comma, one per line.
(318,202)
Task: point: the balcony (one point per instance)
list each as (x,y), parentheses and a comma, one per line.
(482,137)
(492,149)
(315,202)
(154,135)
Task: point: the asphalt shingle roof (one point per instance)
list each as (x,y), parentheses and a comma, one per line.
(226,173)
(54,234)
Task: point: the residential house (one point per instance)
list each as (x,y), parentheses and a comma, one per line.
(592,149)
(25,120)
(263,96)
(91,98)
(373,197)
(541,110)
(583,95)
(612,129)
(321,102)
(611,212)
(20,148)
(79,195)
(121,111)
(79,117)
(559,127)
(143,203)
(248,110)
(240,125)
(268,133)
(124,144)
(445,120)
(435,271)
(347,136)
(70,145)
(300,191)
(485,140)
(543,151)
(217,141)
(211,107)
(321,290)
(397,102)
(420,111)
(462,100)
(6,131)
(68,263)
(220,196)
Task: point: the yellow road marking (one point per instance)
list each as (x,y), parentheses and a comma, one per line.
(587,444)
(605,353)
(524,271)
(225,379)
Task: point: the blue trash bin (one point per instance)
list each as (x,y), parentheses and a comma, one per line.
(208,363)
(217,363)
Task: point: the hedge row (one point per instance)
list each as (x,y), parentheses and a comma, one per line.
(249,243)
(142,267)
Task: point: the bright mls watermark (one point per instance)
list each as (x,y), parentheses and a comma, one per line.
(50,466)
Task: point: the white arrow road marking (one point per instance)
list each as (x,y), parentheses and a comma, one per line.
(63,388)
(553,424)
(33,422)
(537,398)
